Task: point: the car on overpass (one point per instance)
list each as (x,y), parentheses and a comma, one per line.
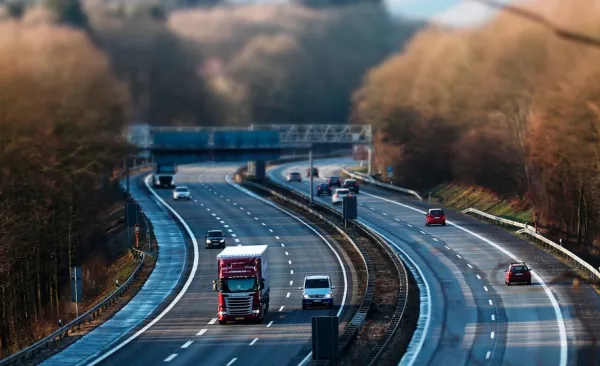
(351,185)
(214,239)
(324,188)
(317,290)
(338,196)
(435,216)
(294,177)
(315,172)
(182,193)
(517,272)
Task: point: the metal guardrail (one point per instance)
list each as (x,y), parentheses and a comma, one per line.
(403,277)
(367,179)
(88,316)
(587,268)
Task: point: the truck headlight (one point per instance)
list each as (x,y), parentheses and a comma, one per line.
(255,311)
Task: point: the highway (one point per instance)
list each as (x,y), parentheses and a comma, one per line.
(189,334)
(472,317)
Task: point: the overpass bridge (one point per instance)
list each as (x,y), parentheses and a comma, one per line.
(256,143)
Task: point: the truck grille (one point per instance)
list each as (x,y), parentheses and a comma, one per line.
(238,305)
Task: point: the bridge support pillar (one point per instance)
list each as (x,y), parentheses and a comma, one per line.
(257,169)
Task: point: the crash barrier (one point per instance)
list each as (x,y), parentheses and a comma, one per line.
(370,180)
(355,325)
(525,229)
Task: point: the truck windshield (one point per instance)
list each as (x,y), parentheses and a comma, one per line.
(239,285)
(166,169)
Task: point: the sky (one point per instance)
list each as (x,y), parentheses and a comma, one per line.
(460,13)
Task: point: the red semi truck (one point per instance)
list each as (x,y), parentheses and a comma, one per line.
(243,283)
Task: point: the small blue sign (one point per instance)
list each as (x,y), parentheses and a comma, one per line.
(390,171)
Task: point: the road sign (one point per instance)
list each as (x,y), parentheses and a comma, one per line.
(325,338)
(349,208)
(390,171)
(76,285)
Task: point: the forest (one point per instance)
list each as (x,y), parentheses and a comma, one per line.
(508,106)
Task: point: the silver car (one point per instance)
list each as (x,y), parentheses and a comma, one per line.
(317,290)
(182,193)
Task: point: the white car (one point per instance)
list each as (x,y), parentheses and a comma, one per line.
(338,196)
(317,290)
(182,193)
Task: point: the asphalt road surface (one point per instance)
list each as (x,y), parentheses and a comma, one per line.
(189,334)
(473,317)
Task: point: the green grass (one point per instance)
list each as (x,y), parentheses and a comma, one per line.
(463,196)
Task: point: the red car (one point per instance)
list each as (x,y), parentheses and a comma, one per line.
(517,272)
(435,216)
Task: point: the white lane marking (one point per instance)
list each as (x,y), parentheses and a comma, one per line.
(491,302)
(249,213)
(222,222)
(557,312)
(286,253)
(469,265)
(184,289)
(271,230)
(231,362)
(409,225)
(226,225)
(341,263)
(283,245)
(170,358)
(493,317)
(202,204)
(485,288)
(201,332)
(233,236)
(397,220)
(214,214)
(253,341)
(213,321)
(270,323)
(237,240)
(263,224)
(241,208)
(227,199)
(478,277)
(488,355)
(187,344)
(218,218)
(289,262)
(435,239)
(492,335)
(235,204)
(371,208)
(281,308)
(230,230)
(221,196)
(256,218)
(276,237)
(288,295)
(458,256)
(291,271)
(384,214)
(207,209)
(422,232)
(196,201)
(447,247)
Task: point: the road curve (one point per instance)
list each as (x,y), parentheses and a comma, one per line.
(189,333)
(475,318)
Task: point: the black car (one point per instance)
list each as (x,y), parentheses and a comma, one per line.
(315,172)
(352,185)
(323,188)
(214,239)
(334,181)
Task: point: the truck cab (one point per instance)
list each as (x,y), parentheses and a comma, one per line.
(163,175)
(242,285)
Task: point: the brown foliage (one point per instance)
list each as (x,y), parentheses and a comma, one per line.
(61,112)
(508,106)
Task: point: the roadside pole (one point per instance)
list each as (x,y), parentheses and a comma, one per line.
(310,171)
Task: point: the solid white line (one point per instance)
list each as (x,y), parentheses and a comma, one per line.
(168,359)
(488,355)
(231,362)
(341,263)
(187,344)
(493,317)
(270,323)
(288,295)
(485,288)
(492,335)
(254,341)
(478,276)
(470,266)
(491,302)
(276,237)
(213,321)
(184,289)
(557,311)
(281,308)
(201,332)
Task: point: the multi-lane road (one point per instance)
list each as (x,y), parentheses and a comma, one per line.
(189,334)
(471,317)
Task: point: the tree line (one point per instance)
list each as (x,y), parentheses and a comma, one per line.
(508,106)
